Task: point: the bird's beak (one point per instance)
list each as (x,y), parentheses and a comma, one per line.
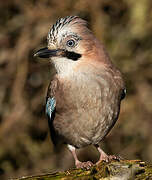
(46,53)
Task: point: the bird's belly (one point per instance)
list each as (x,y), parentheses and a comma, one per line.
(86,115)
(83,127)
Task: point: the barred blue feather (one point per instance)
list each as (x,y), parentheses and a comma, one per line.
(50,106)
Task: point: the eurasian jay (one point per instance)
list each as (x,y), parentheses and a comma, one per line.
(83,99)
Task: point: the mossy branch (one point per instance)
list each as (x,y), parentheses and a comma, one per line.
(124,169)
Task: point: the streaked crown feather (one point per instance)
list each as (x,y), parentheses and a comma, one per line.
(62,23)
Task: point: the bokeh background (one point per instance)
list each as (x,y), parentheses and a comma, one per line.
(124,26)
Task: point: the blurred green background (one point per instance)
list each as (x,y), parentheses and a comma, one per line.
(124,26)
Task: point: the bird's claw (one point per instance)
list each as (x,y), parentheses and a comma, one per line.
(115,157)
(109,158)
(84,165)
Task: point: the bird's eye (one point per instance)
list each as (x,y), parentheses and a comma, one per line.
(70,43)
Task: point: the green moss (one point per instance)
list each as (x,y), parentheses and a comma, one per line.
(128,169)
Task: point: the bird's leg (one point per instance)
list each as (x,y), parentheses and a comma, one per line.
(79,164)
(104,156)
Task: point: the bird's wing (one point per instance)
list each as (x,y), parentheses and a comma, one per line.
(123,93)
(50,106)
(50,99)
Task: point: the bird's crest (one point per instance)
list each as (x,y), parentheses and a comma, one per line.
(62,23)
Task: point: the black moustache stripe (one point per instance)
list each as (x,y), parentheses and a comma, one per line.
(72,55)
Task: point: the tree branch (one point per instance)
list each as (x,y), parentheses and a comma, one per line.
(115,170)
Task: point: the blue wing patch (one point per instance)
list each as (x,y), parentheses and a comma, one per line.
(50,106)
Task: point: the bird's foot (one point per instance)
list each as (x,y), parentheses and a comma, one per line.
(79,164)
(84,165)
(115,157)
(107,158)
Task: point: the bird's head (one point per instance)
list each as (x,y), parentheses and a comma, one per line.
(70,41)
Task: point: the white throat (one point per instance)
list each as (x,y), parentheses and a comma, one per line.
(63,66)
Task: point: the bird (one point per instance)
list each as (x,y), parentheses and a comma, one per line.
(84,96)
